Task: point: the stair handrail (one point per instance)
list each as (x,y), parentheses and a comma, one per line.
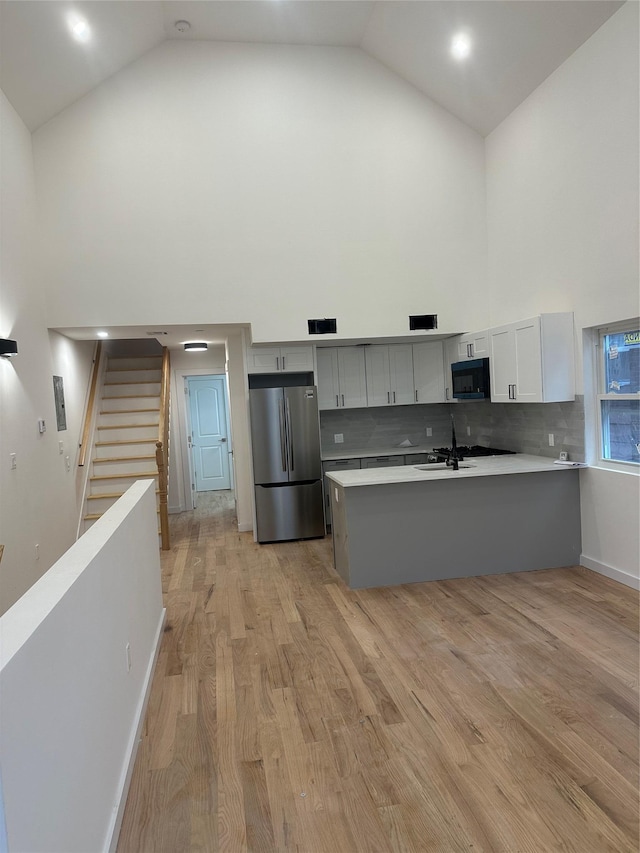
(88,415)
(162,449)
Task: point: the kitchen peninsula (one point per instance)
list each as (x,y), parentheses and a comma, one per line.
(426,522)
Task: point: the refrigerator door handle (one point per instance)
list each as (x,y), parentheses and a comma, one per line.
(283,439)
(289,436)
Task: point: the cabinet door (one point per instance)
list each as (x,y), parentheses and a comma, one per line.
(502,364)
(327,376)
(296,359)
(382,461)
(401,374)
(473,345)
(479,344)
(378,377)
(428,372)
(528,361)
(264,359)
(352,377)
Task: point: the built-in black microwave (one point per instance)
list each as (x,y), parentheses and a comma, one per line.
(470,379)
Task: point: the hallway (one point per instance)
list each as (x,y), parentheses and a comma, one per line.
(290,713)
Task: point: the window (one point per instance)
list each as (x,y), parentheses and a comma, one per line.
(619,394)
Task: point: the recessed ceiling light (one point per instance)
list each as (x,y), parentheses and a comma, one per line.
(80,29)
(460,46)
(196,346)
(102,334)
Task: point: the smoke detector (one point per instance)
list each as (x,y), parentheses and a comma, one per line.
(182,26)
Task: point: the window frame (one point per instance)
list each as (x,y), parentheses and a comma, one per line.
(601,395)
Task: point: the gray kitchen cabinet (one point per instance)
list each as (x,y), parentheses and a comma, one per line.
(335,465)
(382,461)
(341,377)
(532,361)
(389,374)
(428,372)
(280,359)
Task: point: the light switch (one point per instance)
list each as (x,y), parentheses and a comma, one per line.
(14,461)
(61,447)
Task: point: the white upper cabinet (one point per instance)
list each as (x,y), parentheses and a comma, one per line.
(428,372)
(389,374)
(341,376)
(532,361)
(472,345)
(279,359)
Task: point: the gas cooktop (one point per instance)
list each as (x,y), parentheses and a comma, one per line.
(474,450)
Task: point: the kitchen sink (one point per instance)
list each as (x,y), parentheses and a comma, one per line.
(442,466)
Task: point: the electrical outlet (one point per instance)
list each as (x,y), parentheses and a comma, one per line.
(61,447)
(429,432)
(552,440)
(42,426)
(338,438)
(14,462)
(37,552)
(67,463)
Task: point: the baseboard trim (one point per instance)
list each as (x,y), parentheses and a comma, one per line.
(610,572)
(118,811)
(245,527)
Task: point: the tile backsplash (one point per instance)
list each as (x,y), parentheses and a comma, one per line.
(523,427)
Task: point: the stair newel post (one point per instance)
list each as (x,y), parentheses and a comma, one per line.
(162,451)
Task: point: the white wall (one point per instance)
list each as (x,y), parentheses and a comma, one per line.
(263,184)
(562,189)
(563,231)
(37,500)
(70,710)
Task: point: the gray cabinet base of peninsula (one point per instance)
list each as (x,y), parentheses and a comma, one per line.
(440,529)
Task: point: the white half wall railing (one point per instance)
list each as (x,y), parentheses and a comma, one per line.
(77,656)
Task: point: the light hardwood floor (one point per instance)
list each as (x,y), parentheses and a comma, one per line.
(290,713)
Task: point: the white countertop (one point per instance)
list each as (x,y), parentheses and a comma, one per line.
(484,466)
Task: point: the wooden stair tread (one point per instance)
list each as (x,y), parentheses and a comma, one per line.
(125,369)
(92,516)
(129,396)
(124,458)
(125,426)
(125,411)
(135,382)
(139,475)
(126,441)
(110,495)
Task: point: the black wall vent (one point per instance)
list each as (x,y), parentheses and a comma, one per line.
(423,321)
(323,327)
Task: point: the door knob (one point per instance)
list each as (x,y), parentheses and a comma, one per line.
(223,439)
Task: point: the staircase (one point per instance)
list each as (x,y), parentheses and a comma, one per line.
(126,431)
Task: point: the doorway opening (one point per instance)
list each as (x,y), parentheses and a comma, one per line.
(209,450)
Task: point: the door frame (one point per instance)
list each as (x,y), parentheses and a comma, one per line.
(184,427)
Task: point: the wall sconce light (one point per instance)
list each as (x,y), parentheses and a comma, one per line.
(196,346)
(8,348)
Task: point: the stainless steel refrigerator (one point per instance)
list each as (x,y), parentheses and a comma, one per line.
(285,437)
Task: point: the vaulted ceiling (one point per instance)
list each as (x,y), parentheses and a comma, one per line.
(516,43)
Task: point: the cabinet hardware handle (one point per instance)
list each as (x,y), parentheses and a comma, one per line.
(416,395)
(343,399)
(514,392)
(277,362)
(446,393)
(388,398)
(337,402)
(470,351)
(394,396)
(283,362)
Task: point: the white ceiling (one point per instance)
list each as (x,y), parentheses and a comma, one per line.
(518,43)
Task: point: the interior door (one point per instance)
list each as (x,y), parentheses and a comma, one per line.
(209,439)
